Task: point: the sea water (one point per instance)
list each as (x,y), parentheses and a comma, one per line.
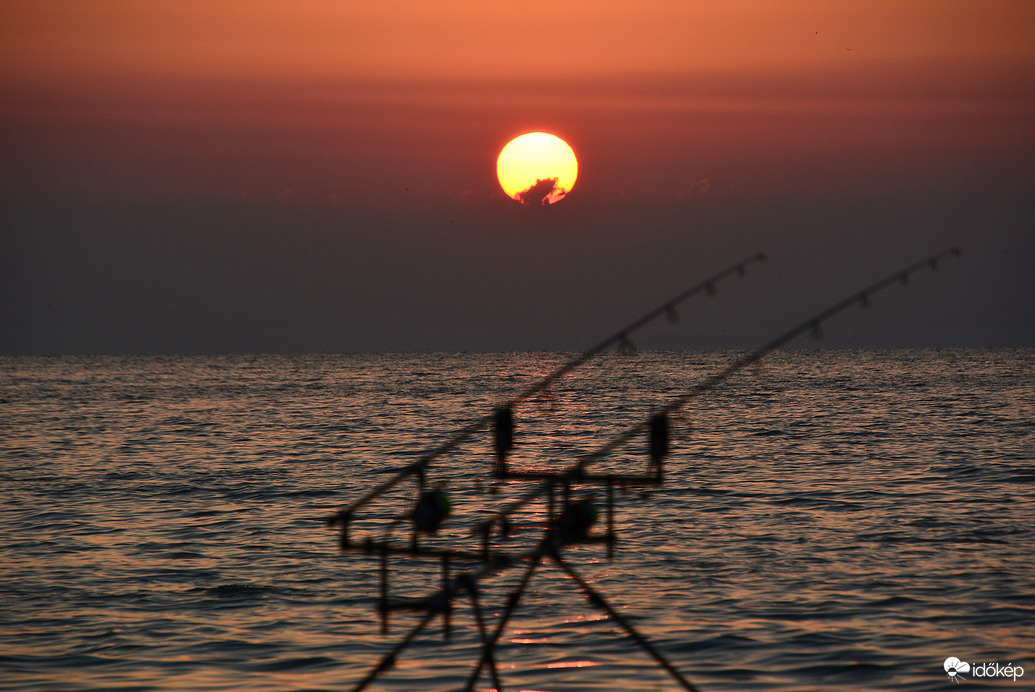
(829,519)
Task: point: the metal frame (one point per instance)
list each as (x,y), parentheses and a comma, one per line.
(556,535)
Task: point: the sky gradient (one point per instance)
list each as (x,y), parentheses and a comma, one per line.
(188,177)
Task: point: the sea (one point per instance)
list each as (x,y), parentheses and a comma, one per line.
(828,519)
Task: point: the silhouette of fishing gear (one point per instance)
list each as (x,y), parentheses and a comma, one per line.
(571,522)
(501,414)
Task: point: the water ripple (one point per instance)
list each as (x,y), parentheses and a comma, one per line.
(838,520)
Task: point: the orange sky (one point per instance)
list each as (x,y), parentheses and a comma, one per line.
(433,88)
(470,39)
(675,109)
(437,86)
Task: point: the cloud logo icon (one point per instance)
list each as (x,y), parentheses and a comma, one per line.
(953,666)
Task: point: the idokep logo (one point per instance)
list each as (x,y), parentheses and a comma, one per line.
(955,668)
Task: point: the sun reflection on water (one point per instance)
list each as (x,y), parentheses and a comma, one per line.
(847,512)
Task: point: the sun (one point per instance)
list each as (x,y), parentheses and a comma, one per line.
(537,168)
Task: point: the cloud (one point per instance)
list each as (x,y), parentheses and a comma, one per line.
(464,197)
(697,189)
(545,191)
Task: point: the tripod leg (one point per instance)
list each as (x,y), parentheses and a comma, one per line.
(390,658)
(512,603)
(596,599)
(491,659)
(447,607)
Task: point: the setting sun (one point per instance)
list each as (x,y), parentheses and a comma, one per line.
(537,168)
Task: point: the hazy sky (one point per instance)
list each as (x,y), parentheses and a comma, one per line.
(320,176)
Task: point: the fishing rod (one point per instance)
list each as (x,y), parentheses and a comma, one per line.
(554,537)
(862,298)
(501,415)
(621,337)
